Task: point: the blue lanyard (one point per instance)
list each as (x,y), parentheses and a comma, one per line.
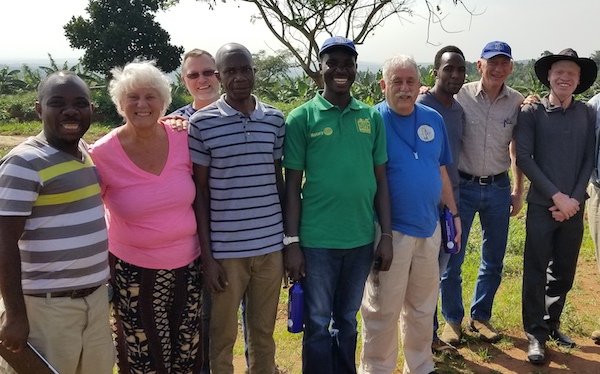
(412,146)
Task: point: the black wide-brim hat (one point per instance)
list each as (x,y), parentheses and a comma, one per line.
(588,67)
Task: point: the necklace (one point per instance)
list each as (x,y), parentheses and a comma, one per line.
(561,101)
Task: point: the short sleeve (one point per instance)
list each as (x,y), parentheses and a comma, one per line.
(19,186)
(294,145)
(380,155)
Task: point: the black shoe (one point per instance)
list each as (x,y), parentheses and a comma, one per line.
(561,339)
(536,352)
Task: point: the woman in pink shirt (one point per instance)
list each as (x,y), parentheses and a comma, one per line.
(146,177)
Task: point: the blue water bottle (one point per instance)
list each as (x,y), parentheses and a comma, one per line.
(448,231)
(296,308)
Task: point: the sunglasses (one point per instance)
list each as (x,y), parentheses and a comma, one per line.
(205,73)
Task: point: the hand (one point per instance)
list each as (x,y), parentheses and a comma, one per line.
(516,203)
(531,99)
(567,205)
(178,123)
(14,333)
(557,215)
(424,89)
(213,275)
(458,229)
(293,260)
(385,251)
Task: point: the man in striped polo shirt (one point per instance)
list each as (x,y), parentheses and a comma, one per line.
(53,240)
(236,147)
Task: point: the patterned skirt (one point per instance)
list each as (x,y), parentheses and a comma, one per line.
(157,318)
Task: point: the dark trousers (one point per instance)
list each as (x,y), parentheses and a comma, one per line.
(550,261)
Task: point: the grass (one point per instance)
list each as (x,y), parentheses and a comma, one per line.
(95,132)
(507,305)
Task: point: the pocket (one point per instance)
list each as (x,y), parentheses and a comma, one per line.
(503,184)
(464,182)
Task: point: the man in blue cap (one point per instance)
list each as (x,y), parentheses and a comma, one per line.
(487,151)
(339,144)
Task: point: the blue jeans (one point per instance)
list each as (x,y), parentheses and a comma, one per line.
(333,289)
(492,202)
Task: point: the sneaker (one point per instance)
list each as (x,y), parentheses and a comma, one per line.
(486,331)
(452,333)
(440,347)
(596,337)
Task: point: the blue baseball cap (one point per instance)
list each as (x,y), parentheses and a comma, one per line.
(496,48)
(338,41)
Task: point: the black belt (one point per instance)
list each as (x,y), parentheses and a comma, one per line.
(484,180)
(75,294)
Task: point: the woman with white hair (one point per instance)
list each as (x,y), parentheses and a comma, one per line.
(147,188)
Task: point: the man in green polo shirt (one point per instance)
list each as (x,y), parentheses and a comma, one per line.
(339,144)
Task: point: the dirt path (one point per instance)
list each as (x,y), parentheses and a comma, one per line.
(11,140)
(584,359)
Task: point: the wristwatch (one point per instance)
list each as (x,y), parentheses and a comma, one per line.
(287,240)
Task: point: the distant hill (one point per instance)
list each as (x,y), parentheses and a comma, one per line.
(36,63)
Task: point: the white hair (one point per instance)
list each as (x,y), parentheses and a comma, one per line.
(138,74)
(398,61)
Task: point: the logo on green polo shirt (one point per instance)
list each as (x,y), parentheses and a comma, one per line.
(364,125)
(326,131)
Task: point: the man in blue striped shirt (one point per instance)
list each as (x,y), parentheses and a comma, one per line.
(236,147)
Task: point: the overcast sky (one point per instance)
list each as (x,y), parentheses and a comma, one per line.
(32,28)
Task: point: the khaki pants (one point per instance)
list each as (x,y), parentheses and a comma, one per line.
(72,334)
(409,291)
(259,278)
(593,215)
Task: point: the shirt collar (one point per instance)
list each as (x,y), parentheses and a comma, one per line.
(480,91)
(323,104)
(228,111)
(554,108)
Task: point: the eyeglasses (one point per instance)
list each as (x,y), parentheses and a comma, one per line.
(205,73)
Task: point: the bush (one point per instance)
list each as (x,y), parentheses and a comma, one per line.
(18,107)
(104,109)
(179,98)
(286,108)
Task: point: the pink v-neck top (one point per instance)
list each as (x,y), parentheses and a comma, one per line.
(150,217)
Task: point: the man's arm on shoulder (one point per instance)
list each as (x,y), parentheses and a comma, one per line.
(292,207)
(213,273)
(382,208)
(15,329)
(175,121)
